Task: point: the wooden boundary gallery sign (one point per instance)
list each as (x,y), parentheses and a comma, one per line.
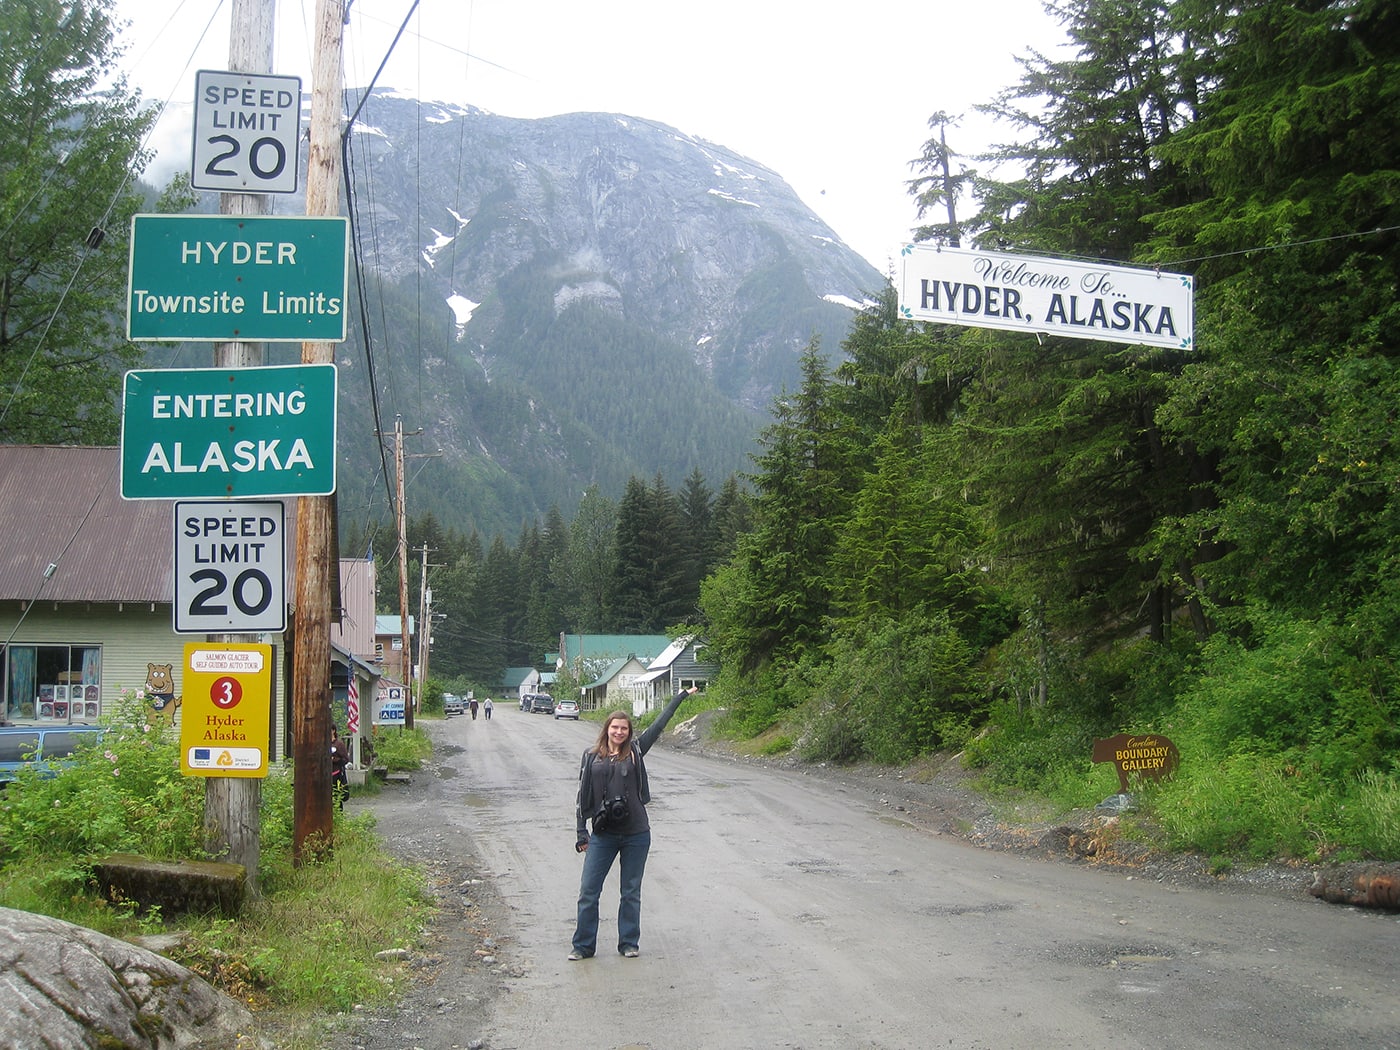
(1150,756)
(1023,293)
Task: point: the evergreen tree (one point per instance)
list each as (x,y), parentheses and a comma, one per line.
(649,578)
(547,596)
(733,516)
(69,151)
(910,542)
(1094,124)
(489,641)
(1062,442)
(590,562)
(699,535)
(938,188)
(771,601)
(1294,391)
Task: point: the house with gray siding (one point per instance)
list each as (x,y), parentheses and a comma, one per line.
(681,665)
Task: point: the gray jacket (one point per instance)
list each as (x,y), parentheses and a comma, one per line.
(588,806)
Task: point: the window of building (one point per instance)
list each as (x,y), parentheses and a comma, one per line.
(53,683)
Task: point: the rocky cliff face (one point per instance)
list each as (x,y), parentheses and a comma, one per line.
(560,265)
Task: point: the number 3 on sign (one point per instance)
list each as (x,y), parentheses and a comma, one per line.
(226,692)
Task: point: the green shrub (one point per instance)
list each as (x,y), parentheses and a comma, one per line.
(892,690)
(401,750)
(125,794)
(1249,805)
(779,744)
(1286,687)
(764,699)
(1372,816)
(1027,750)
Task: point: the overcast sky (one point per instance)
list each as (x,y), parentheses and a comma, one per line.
(834,97)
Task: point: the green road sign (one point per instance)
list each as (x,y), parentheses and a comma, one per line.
(229,433)
(245,278)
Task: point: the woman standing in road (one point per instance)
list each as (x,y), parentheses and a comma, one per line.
(612,791)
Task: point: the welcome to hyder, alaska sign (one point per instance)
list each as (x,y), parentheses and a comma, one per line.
(1024,293)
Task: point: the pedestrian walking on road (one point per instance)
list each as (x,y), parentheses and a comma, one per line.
(486,707)
(472,705)
(613,793)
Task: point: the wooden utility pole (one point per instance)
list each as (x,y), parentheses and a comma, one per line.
(406,662)
(231,804)
(311,631)
(425,625)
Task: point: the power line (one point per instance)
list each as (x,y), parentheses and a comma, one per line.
(1287,244)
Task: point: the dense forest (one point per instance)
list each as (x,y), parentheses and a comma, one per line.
(628,566)
(960,539)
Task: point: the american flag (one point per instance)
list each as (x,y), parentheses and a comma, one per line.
(352,708)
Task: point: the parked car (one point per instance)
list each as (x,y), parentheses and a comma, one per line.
(453,705)
(25,745)
(566,709)
(541,704)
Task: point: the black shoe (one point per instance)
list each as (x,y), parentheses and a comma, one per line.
(575,956)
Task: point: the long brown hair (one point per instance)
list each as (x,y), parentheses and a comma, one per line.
(601,747)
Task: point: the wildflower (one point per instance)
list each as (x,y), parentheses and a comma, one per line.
(116,772)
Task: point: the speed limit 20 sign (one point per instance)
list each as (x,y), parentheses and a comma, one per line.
(246,129)
(230,567)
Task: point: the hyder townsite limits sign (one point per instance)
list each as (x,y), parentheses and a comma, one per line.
(229,433)
(1066,297)
(227,278)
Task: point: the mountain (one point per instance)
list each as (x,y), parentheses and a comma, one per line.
(568,301)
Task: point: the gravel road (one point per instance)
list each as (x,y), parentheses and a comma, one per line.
(826,908)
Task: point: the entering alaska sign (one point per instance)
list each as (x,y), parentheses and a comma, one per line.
(1023,293)
(228,433)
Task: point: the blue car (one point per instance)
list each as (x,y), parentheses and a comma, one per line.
(22,746)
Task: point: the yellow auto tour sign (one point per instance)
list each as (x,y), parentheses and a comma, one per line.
(226,713)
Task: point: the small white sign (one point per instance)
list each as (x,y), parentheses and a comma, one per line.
(389,706)
(227,661)
(224,758)
(246,130)
(1025,293)
(230,568)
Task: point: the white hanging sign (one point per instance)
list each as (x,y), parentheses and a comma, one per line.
(1025,293)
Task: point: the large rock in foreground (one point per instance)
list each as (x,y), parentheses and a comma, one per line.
(67,986)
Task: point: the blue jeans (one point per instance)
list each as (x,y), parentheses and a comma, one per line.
(603,849)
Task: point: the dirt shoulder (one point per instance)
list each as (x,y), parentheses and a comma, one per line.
(936,794)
